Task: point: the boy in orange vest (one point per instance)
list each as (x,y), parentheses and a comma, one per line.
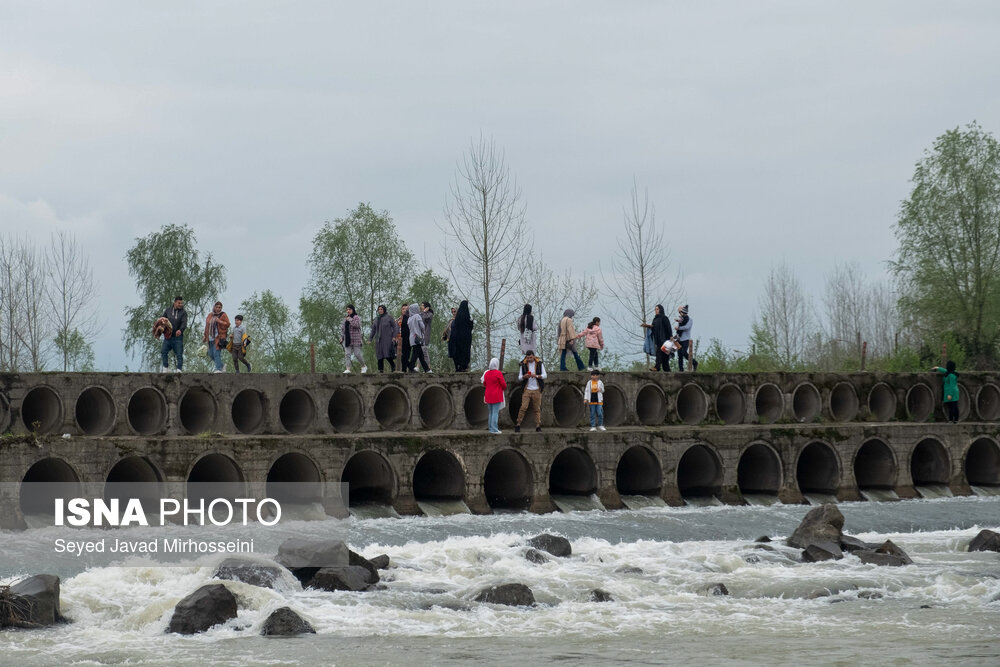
(593,395)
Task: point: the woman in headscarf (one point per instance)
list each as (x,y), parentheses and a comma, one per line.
(418,340)
(461,337)
(528,330)
(383,336)
(661,334)
(494,386)
(567,339)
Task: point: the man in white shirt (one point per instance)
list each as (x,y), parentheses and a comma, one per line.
(532,377)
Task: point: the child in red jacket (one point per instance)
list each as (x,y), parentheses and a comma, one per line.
(494,386)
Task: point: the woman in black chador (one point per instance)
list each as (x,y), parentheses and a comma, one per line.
(461,335)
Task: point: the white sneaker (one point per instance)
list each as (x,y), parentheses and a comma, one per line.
(177,370)
(592,428)
(219,371)
(364,369)
(430,372)
(601,428)
(164,370)
(347,371)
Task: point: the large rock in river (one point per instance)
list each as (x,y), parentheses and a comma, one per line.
(514,595)
(248,571)
(343,578)
(305,557)
(35,602)
(986,540)
(554,544)
(209,605)
(284,622)
(821,524)
(886,553)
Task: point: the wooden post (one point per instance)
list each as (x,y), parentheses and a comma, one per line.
(312,357)
(503,351)
(864,353)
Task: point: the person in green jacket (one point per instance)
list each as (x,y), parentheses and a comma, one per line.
(950,392)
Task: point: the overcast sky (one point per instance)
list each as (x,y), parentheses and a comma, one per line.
(764,131)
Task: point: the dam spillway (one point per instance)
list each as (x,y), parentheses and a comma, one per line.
(401,439)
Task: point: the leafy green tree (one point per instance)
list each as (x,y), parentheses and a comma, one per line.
(165,264)
(948,260)
(275,346)
(76,352)
(357,259)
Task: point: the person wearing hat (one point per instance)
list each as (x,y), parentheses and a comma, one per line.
(684,338)
(593,395)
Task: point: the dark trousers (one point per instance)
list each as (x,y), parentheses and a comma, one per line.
(682,354)
(417,353)
(240,355)
(592,361)
(175,343)
(562,360)
(951,411)
(404,356)
(662,361)
(381,365)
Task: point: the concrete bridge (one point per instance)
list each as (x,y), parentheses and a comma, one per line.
(403,439)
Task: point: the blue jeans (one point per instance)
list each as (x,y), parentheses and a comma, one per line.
(175,343)
(494,416)
(215,354)
(596,414)
(562,360)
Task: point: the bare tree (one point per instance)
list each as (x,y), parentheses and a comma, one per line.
(641,269)
(10,306)
(784,326)
(33,290)
(485,233)
(549,295)
(846,301)
(71,295)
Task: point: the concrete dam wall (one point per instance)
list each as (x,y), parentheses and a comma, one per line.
(407,441)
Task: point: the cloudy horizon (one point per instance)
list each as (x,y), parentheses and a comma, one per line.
(764,132)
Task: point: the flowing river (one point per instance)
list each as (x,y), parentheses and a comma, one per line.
(656,562)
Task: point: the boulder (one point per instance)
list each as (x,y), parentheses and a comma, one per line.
(535,556)
(358,560)
(284,622)
(342,578)
(820,524)
(597,595)
(751,559)
(209,605)
(717,588)
(33,602)
(514,595)
(848,543)
(553,544)
(870,595)
(305,557)
(248,571)
(629,569)
(762,539)
(820,551)
(986,540)
(886,553)
(380,562)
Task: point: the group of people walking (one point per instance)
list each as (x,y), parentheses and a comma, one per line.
(219,334)
(406,338)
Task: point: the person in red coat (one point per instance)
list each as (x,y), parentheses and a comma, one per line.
(494,386)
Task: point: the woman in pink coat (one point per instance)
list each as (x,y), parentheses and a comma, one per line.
(494,386)
(593,338)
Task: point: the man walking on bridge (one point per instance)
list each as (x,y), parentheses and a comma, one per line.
(178,318)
